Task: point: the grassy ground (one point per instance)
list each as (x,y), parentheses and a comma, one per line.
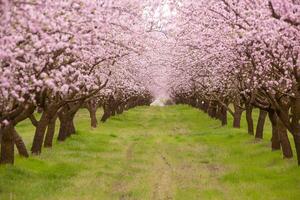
(154,153)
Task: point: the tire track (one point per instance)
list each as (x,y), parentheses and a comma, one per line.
(162,175)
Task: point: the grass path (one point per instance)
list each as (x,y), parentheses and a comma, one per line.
(153,153)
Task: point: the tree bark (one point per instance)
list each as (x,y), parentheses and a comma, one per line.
(71,129)
(119,110)
(1,133)
(214,110)
(205,106)
(249,119)
(275,136)
(200,104)
(33,120)
(50,132)
(106,113)
(112,111)
(7,145)
(260,124)
(40,134)
(211,110)
(20,145)
(93,117)
(64,129)
(237,116)
(66,117)
(223,115)
(219,112)
(295,122)
(284,140)
(296,137)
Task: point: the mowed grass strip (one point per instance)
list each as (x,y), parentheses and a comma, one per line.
(174,152)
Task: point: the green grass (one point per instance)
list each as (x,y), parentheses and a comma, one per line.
(174,152)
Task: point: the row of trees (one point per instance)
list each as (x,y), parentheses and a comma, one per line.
(59,56)
(236,55)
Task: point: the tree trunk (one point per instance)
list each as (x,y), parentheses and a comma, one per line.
(260,124)
(205,106)
(106,114)
(20,145)
(119,110)
(7,145)
(275,136)
(284,140)
(200,105)
(237,116)
(71,128)
(93,117)
(50,132)
(223,115)
(1,133)
(295,122)
(40,134)
(63,128)
(209,109)
(214,110)
(219,112)
(67,127)
(112,111)
(296,137)
(33,120)
(249,119)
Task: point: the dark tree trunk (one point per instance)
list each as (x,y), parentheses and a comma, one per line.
(106,114)
(214,110)
(249,119)
(219,112)
(112,111)
(211,109)
(20,145)
(296,137)
(33,120)
(50,132)
(93,117)
(200,105)
(275,136)
(72,129)
(237,116)
(119,110)
(295,122)
(1,133)
(40,110)
(260,124)
(40,134)
(205,106)
(223,115)
(66,117)
(284,140)
(65,127)
(7,145)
